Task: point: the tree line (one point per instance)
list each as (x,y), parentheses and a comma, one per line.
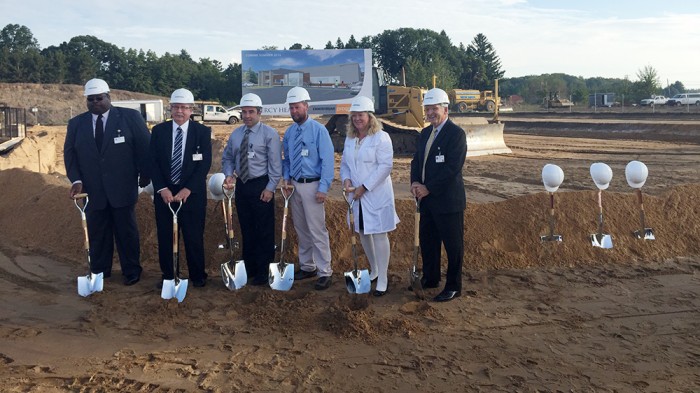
(407,55)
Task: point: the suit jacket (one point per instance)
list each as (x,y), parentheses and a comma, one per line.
(194,173)
(109,174)
(443,179)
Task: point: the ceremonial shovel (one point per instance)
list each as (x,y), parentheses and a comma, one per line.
(601,174)
(552,177)
(233,272)
(357,281)
(91,283)
(636,173)
(175,288)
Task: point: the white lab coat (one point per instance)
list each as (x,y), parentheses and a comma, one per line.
(371,166)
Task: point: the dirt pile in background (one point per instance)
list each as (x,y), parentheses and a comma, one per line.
(36,213)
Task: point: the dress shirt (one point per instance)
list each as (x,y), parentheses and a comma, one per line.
(104,122)
(320,160)
(265,142)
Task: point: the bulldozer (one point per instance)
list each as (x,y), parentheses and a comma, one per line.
(474,100)
(554,101)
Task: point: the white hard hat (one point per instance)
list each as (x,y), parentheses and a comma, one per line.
(552,177)
(297,94)
(215,182)
(251,99)
(435,97)
(636,173)
(95,86)
(601,174)
(362,104)
(182,96)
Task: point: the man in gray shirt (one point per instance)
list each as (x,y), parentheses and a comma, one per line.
(252,160)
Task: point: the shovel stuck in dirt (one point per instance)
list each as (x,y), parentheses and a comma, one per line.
(357,281)
(601,175)
(551,237)
(416,284)
(91,283)
(643,232)
(636,173)
(233,272)
(552,177)
(177,287)
(282,274)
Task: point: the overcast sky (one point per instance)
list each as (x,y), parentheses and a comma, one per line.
(607,38)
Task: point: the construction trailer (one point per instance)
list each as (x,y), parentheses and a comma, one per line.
(13,126)
(601,99)
(152,111)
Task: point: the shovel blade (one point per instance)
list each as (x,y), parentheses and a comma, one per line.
(416,284)
(357,281)
(168,291)
(647,235)
(281,276)
(180,290)
(551,238)
(236,277)
(87,285)
(603,240)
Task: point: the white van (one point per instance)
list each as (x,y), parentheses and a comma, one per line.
(684,99)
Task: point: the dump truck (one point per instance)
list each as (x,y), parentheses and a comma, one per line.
(473,100)
(323,73)
(213,111)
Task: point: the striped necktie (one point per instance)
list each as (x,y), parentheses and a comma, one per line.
(176,162)
(244,175)
(296,158)
(428,145)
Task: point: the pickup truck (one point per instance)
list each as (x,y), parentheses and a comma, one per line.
(214,111)
(654,100)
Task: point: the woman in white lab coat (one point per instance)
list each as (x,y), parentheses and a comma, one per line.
(366,165)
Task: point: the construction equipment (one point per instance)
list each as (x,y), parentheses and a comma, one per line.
(233,272)
(552,177)
(554,101)
(282,273)
(357,281)
(91,283)
(414,277)
(602,175)
(636,173)
(177,287)
(465,100)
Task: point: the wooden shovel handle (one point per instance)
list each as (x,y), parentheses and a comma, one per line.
(80,196)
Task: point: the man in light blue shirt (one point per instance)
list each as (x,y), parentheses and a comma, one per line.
(308,166)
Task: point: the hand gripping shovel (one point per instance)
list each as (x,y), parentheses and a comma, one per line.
(282,273)
(357,281)
(233,272)
(416,284)
(636,173)
(602,175)
(552,177)
(175,288)
(91,283)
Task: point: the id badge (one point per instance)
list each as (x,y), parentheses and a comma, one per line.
(304,152)
(118,140)
(251,154)
(440,159)
(197,157)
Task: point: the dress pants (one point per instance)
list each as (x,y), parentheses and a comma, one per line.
(436,229)
(310,224)
(257,220)
(190,221)
(104,227)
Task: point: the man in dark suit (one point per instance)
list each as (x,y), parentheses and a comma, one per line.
(436,180)
(105,151)
(181,158)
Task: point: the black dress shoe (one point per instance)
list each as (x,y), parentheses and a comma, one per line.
(424,283)
(377,293)
(257,281)
(131,280)
(446,296)
(303,274)
(199,283)
(323,283)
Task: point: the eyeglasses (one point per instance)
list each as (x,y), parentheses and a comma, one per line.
(180,107)
(93,99)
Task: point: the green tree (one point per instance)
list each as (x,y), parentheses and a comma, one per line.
(329,45)
(295,46)
(352,43)
(339,44)
(647,81)
(20,58)
(480,48)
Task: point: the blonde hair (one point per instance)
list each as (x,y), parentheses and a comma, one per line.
(374,126)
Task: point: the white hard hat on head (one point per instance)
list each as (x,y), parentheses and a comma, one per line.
(297,94)
(215,182)
(362,104)
(435,97)
(251,99)
(95,86)
(552,177)
(182,96)
(636,173)
(601,174)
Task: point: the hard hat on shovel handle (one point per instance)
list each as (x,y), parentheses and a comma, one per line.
(552,177)
(636,173)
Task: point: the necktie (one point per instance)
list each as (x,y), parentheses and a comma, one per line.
(176,162)
(296,158)
(244,175)
(428,145)
(99,132)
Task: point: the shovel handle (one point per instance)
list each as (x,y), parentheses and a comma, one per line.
(551,214)
(286,187)
(80,196)
(416,223)
(641,209)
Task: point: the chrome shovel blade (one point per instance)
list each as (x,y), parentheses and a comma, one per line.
(168,291)
(174,289)
(357,281)
(281,276)
(648,234)
(180,290)
(89,284)
(603,241)
(236,278)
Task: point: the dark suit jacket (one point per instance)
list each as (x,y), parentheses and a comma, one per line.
(110,174)
(443,180)
(194,173)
